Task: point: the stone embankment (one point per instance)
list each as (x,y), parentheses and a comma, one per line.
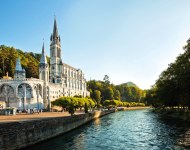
(23,133)
(131,108)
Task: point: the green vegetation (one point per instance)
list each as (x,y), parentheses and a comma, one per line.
(85,108)
(29,61)
(72,103)
(116,103)
(71,108)
(103,90)
(173,86)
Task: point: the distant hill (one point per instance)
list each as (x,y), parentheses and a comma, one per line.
(129,84)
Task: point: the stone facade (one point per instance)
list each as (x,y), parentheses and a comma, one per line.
(55,80)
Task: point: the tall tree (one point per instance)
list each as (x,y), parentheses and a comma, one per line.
(117,95)
(109,95)
(106,79)
(97,96)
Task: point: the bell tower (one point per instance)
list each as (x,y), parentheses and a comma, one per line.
(55,55)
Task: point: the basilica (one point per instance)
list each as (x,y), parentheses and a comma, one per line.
(56,79)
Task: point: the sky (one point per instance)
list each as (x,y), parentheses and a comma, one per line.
(128,40)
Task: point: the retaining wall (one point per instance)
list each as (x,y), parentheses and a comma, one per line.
(16,135)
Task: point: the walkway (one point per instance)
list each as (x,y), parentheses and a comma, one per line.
(36,116)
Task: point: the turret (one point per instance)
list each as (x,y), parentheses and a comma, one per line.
(19,73)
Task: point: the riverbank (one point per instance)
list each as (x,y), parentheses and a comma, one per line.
(180,115)
(23,132)
(131,108)
(175,113)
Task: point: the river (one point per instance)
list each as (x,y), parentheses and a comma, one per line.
(124,130)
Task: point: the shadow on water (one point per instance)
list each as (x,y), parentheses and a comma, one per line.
(180,128)
(126,130)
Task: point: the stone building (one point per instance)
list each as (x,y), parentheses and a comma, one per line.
(55,80)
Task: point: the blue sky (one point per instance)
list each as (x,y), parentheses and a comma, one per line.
(129,40)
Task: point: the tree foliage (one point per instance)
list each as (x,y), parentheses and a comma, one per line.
(68,103)
(115,103)
(29,61)
(107,91)
(173,85)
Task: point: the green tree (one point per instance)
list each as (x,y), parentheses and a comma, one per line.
(71,109)
(32,70)
(106,79)
(173,85)
(62,102)
(97,97)
(117,95)
(108,94)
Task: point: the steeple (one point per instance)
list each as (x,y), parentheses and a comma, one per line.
(55,36)
(55,30)
(43,57)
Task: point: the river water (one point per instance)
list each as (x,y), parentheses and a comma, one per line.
(125,130)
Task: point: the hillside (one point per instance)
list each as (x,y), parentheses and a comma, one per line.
(125,92)
(29,61)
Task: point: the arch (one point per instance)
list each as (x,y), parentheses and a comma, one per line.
(24,90)
(7,89)
(38,88)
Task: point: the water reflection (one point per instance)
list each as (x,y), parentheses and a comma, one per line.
(127,130)
(97,122)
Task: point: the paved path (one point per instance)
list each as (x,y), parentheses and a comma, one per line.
(26,117)
(36,116)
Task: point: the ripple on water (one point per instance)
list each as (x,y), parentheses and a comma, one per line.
(125,130)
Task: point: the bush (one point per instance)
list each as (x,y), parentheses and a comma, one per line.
(76,102)
(115,103)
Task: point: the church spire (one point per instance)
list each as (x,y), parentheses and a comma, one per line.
(43,57)
(55,38)
(55,30)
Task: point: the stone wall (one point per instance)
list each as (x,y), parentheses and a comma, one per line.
(16,135)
